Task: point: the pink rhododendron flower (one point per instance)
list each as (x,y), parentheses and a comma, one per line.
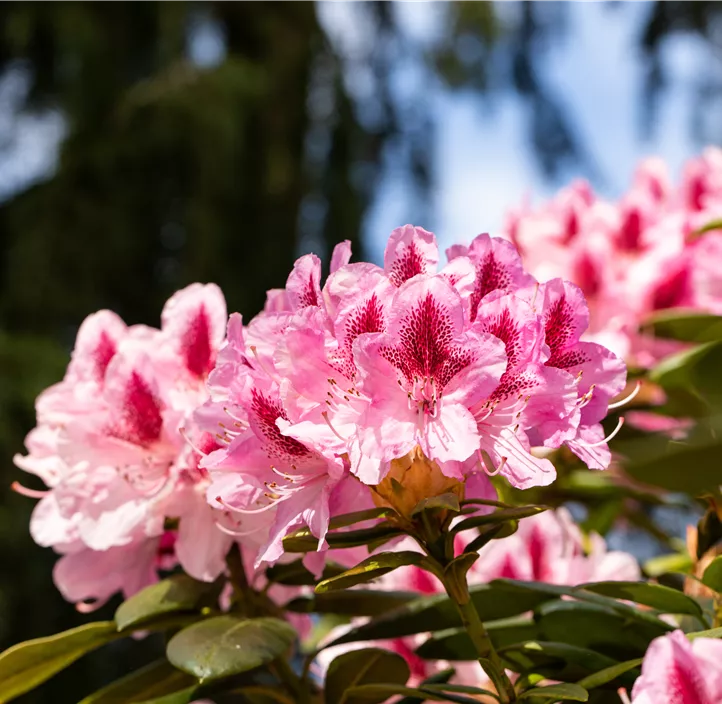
(550,548)
(109,446)
(634,256)
(459,370)
(677,671)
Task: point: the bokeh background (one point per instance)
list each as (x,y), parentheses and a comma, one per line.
(145,145)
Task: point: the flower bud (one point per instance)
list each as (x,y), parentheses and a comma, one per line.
(411,479)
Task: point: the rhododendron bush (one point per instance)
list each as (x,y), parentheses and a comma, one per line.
(368,492)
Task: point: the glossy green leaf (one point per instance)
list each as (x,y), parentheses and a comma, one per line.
(177,594)
(437,678)
(363,667)
(227,645)
(609,674)
(348,519)
(565,692)
(455,644)
(558,661)
(304,541)
(371,568)
(493,532)
(359,602)
(27,665)
(436,613)
(656,596)
(501,516)
(294,574)
(449,502)
(373,693)
(159,679)
(685,325)
(713,575)
(708,633)
(596,627)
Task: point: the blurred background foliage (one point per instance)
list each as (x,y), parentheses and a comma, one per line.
(174,168)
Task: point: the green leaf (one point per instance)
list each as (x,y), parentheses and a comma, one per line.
(665,599)
(373,693)
(712,576)
(227,645)
(709,633)
(26,665)
(179,593)
(183,696)
(158,679)
(596,627)
(449,502)
(371,568)
(559,661)
(304,541)
(294,574)
(566,692)
(609,674)
(666,564)
(489,533)
(438,612)
(501,516)
(438,677)
(348,519)
(685,325)
(695,370)
(360,667)
(455,644)
(359,602)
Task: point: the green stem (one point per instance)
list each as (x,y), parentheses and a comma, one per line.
(487,655)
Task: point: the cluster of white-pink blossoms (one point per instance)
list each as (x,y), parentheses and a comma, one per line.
(635,256)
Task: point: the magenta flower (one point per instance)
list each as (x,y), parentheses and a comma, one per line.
(677,671)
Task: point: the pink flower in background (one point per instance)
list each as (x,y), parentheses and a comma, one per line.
(550,548)
(677,671)
(109,446)
(634,256)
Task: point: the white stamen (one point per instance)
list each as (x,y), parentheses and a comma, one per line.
(609,437)
(183,432)
(626,400)
(623,695)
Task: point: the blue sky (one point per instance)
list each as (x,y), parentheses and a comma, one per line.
(484,162)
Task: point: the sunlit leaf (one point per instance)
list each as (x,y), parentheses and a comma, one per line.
(609,674)
(501,516)
(26,665)
(685,325)
(227,645)
(665,599)
(566,692)
(371,568)
(179,593)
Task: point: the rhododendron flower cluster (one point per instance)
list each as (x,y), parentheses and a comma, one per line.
(111,446)
(635,256)
(410,379)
